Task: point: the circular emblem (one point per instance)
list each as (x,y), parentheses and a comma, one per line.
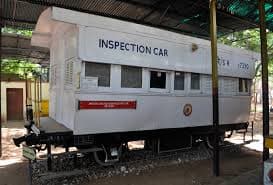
(187,110)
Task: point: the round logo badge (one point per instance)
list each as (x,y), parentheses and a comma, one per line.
(187,110)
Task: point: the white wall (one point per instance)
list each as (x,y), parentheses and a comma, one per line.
(62,50)
(179,55)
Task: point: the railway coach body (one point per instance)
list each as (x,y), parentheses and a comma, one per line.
(113,81)
(111,76)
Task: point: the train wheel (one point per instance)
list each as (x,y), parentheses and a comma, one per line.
(209,141)
(108,155)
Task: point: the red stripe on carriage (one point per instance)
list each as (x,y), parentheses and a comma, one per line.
(107,104)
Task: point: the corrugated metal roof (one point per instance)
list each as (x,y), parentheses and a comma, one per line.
(188,16)
(18,47)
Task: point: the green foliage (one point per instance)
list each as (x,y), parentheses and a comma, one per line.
(27,33)
(19,67)
(250,40)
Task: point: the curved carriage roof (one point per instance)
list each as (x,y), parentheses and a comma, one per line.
(161,49)
(184,16)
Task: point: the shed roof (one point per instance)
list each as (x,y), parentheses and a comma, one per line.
(17,46)
(184,16)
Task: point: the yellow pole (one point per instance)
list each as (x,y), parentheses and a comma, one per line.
(26,101)
(34,101)
(215,99)
(26,89)
(30,91)
(38,103)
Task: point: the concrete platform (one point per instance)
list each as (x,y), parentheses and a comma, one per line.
(253,177)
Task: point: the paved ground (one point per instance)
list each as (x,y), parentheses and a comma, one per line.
(192,173)
(252,177)
(13,167)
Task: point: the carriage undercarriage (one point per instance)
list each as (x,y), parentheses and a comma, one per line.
(108,149)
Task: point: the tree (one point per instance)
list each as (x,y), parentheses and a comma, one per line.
(19,67)
(27,33)
(250,40)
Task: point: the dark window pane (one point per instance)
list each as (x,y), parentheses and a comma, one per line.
(195,81)
(246,85)
(102,71)
(179,81)
(158,80)
(131,77)
(241,85)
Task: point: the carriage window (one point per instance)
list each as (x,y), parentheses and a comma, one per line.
(158,79)
(243,85)
(195,81)
(131,77)
(101,71)
(179,81)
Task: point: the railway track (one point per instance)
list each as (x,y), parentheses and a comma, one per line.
(76,167)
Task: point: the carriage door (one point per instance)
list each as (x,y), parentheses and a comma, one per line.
(14,104)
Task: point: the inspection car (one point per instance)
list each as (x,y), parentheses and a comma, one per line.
(113,81)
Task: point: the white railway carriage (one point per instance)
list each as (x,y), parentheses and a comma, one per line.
(113,81)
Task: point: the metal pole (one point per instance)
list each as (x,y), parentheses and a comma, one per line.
(0,82)
(215,100)
(30,171)
(26,86)
(41,85)
(264,58)
(38,101)
(34,101)
(49,159)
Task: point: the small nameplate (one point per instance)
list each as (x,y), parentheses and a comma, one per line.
(107,105)
(29,152)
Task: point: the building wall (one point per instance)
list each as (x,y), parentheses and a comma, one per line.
(5,85)
(45,90)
